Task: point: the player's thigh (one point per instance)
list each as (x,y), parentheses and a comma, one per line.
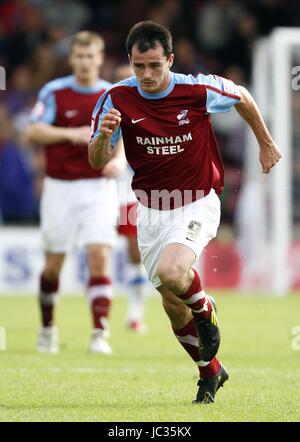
(160,258)
(58,215)
(98,257)
(149,241)
(175,261)
(193,228)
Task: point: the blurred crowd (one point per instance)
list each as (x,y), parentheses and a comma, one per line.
(215,36)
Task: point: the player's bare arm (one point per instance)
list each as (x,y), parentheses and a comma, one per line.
(43,133)
(100,149)
(269,153)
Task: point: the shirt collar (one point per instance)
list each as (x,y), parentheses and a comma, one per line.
(158,95)
(86,89)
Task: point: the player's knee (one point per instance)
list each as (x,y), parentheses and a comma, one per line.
(170,272)
(51,273)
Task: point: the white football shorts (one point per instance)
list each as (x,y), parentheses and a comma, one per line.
(78,212)
(193,225)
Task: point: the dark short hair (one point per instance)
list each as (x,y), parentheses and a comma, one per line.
(147,34)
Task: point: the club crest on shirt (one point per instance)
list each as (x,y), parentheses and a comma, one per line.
(71,113)
(182,117)
(193,230)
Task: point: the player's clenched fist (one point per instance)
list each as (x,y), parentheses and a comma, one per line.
(111,121)
(269,156)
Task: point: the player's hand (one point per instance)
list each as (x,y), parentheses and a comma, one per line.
(110,123)
(269,155)
(79,135)
(114,168)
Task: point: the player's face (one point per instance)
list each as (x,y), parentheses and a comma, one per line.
(151,68)
(86,61)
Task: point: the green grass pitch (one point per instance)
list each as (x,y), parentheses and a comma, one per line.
(150,378)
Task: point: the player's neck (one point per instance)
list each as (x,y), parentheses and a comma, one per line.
(165,84)
(89,82)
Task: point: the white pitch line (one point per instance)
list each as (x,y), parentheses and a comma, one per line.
(87,370)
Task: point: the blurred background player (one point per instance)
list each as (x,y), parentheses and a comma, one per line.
(135,273)
(77,202)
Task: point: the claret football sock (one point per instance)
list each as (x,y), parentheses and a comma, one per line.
(204,312)
(196,299)
(47,299)
(187,336)
(99,294)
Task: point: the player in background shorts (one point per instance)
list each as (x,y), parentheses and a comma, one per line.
(135,272)
(78,204)
(164,118)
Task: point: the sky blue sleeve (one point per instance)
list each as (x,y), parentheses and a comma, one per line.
(44,110)
(103,106)
(222,94)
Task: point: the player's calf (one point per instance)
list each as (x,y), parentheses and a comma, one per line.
(99,293)
(178,313)
(205,317)
(209,371)
(48,295)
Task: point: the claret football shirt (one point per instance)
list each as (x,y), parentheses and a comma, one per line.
(168,137)
(63,103)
